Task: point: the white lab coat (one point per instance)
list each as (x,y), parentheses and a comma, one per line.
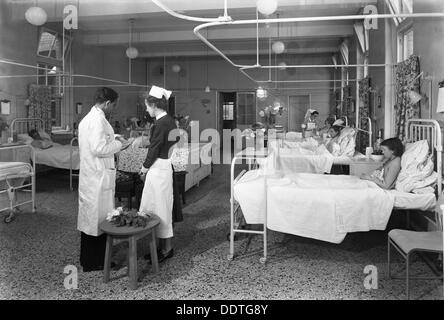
(97,177)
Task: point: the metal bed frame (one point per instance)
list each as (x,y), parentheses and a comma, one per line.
(23,125)
(417,130)
(11,191)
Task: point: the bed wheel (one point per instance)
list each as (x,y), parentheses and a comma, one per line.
(263,260)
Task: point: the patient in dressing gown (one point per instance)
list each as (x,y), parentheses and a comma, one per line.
(386,176)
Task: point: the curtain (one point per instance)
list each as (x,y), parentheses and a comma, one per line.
(347,104)
(406,72)
(40,104)
(364,113)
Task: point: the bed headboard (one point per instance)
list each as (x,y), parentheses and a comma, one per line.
(430,130)
(24,125)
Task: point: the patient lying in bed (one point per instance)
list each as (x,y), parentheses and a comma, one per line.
(39,141)
(386,176)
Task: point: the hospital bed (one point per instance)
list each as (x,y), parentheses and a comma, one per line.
(253,196)
(58,156)
(13,176)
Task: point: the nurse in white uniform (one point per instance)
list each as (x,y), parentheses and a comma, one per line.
(157,170)
(97,177)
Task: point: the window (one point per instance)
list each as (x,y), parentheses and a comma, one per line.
(405,44)
(399,7)
(50,44)
(228,111)
(246,114)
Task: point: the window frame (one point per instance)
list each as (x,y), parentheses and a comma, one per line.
(403,30)
(245,116)
(65,44)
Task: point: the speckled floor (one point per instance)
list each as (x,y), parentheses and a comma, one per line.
(35,248)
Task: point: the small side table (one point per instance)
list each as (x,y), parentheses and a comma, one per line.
(131,234)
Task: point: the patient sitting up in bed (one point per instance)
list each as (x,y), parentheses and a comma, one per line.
(387,175)
(39,141)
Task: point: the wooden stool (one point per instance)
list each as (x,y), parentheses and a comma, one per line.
(131,234)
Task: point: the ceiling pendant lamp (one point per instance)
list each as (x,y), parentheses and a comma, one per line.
(36,16)
(261,93)
(207,88)
(267,7)
(175,68)
(278,46)
(131,52)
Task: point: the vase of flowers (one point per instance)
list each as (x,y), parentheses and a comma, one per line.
(122,217)
(269,113)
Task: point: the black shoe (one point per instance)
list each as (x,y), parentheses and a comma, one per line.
(163,256)
(160,256)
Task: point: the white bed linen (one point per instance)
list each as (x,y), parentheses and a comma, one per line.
(306,157)
(320,206)
(58,156)
(13,168)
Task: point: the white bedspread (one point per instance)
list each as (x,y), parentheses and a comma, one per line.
(315,206)
(13,168)
(58,156)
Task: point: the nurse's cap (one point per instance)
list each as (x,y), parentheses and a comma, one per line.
(158,92)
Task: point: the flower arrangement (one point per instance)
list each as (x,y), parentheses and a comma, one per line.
(269,113)
(132,218)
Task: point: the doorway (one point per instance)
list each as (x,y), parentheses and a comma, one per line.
(297,107)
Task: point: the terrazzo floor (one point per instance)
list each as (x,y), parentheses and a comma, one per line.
(35,248)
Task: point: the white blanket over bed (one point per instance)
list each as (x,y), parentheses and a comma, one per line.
(314,206)
(58,156)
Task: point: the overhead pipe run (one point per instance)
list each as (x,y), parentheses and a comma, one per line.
(225,20)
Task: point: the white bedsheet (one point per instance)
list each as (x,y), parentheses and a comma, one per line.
(13,168)
(58,156)
(320,206)
(306,157)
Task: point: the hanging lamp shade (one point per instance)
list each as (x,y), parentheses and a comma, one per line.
(36,16)
(278,47)
(132,52)
(207,89)
(261,93)
(176,68)
(282,65)
(267,7)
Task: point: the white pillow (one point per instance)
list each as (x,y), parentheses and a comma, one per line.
(24,137)
(416,168)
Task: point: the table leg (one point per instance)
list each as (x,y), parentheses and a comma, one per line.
(133,262)
(153,252)
(108,254)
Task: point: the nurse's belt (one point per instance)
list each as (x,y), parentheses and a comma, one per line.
(159,92)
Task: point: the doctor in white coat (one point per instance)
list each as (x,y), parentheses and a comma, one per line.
(97,177)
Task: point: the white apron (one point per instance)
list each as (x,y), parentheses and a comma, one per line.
(97,176)
(157,196)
